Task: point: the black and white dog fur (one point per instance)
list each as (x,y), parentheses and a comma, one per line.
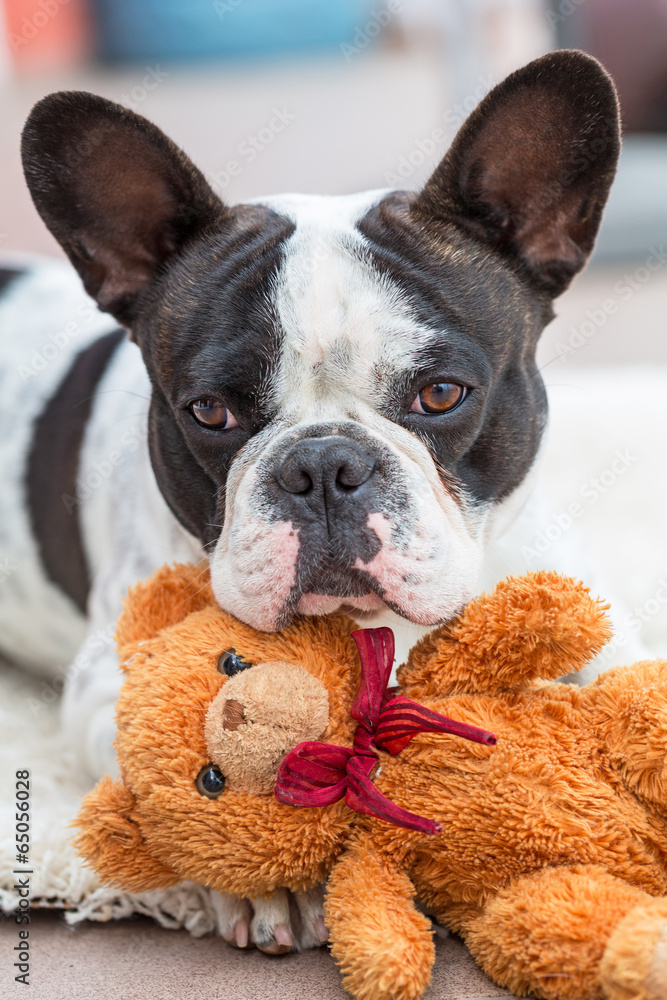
(334,399)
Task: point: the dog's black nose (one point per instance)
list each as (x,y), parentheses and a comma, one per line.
(332,466)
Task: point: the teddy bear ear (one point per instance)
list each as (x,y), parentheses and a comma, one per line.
(541,625)
(111,841)
(165,599)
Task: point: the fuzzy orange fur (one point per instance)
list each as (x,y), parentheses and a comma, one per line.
(553,852)
(552,861)
(151,827)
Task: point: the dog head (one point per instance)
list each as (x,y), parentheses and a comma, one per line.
(345,398)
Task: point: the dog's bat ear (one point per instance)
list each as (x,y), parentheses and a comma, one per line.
(531,168)
(116,193)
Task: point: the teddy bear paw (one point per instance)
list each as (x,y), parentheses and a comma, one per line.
(276,924)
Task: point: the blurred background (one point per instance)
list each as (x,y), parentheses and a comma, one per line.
(333,96)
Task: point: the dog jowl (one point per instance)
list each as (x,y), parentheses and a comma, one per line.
(345,402)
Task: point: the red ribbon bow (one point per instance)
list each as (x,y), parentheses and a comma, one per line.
(319,774)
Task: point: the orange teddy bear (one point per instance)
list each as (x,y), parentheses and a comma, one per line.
(546,850)
(200,737)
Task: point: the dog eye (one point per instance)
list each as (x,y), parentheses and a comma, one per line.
(231,663)
(210,781)
(210,412)
(440,397)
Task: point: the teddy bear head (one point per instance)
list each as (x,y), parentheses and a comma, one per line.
(208,710)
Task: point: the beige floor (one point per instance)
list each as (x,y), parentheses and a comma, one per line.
(135,960)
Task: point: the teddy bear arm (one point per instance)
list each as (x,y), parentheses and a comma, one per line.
(383,945)
(537,626)
(111,841)
(572,934)
(627,707)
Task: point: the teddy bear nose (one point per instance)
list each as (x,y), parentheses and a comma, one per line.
(233,715)
(258,716)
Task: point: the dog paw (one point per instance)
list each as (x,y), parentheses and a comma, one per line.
(634,963)
(282,922)
(233,917)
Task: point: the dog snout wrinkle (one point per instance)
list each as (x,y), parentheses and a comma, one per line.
(327,468)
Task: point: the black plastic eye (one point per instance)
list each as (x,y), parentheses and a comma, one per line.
(210,781)
(231,663)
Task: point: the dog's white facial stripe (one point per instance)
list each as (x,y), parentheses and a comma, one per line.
(345,325)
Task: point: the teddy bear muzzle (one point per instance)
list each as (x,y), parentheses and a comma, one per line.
(257,717)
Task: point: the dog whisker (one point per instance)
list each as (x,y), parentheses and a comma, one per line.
(127,392)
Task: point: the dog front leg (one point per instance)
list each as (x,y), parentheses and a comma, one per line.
(89,700)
